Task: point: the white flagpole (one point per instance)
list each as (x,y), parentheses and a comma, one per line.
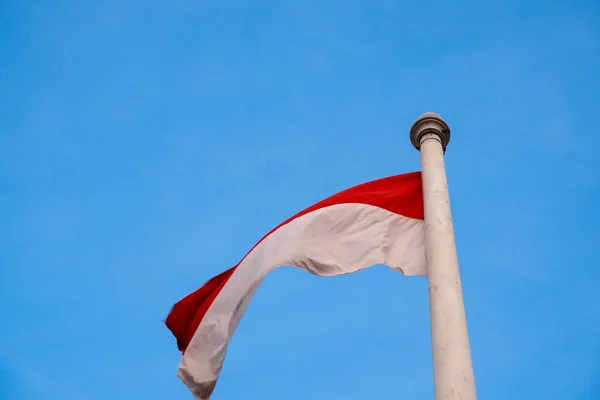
(452,368)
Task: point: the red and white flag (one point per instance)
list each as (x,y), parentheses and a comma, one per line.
(378,222)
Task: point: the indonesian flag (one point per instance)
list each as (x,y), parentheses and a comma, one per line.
(378,222)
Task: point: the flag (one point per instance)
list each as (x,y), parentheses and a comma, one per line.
(378,222)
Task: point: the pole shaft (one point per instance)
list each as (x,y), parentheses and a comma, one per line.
(452,367)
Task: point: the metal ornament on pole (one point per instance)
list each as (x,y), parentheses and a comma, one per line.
(452,366)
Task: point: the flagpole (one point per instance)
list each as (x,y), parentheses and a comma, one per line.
(452,367)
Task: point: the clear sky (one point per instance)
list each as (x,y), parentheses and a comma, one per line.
(146,145)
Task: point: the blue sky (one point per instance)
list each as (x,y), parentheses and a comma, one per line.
(146,145)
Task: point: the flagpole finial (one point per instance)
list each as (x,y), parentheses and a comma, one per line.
(429,123)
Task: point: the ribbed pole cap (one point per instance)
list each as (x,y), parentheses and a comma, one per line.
(429,123)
